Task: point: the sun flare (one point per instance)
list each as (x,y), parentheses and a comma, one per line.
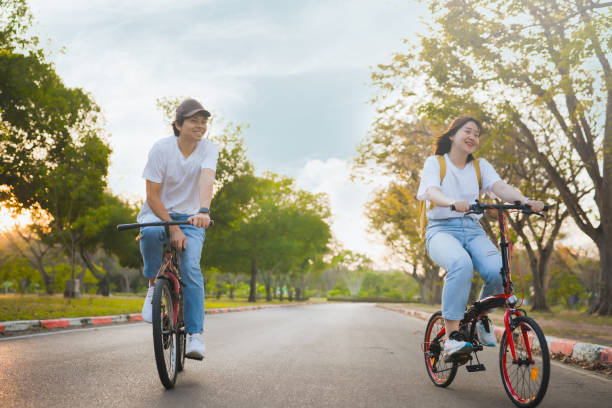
(10,219)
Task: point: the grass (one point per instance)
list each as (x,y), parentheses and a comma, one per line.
(41,307)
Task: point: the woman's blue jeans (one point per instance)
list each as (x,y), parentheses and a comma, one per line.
(460,245)
(152,240)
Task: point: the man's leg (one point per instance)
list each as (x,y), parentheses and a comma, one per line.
(191,274)
(151,246)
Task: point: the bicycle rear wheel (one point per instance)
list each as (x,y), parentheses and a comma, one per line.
(440,372)
(525,380)
(164,330)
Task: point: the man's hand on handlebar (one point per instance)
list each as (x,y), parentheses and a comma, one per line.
(200,220)
(177,238)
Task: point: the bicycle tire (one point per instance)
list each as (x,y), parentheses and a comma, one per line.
(440,372)
(525,382)
(181,338)
(164,342)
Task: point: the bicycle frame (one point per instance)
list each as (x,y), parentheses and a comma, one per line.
(171,272)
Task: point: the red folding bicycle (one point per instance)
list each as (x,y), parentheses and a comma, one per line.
(169,337)
(524,361)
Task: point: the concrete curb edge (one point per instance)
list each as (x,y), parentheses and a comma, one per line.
(581,352)
(22,325)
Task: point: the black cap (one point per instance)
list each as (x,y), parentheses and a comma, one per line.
(190,107)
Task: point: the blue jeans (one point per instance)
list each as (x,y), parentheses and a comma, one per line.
(151,247)
(459,245)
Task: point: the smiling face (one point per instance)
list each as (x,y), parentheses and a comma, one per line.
(193,128)
(466,139)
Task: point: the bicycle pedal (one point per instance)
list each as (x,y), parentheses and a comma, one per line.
(194,358)
(475,367)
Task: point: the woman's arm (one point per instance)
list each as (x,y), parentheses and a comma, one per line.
(510,194)
(436,196)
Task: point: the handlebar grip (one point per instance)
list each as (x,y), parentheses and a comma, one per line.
(122,227)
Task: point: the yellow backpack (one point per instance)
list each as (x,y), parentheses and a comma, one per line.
(422,227)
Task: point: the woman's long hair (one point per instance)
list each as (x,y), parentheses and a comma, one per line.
(442,144)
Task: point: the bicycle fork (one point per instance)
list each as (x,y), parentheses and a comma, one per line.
(509,324)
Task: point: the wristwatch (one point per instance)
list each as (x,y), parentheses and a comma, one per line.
(204,210)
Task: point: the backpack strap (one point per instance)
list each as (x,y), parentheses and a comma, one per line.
(442,163)
(478,176)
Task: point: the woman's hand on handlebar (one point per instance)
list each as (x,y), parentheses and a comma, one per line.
(200,220)
(460,206)
(536,206)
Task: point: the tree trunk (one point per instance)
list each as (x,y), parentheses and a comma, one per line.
(603,306)
(298,294)
(540,287)
(253,283)
(103,282)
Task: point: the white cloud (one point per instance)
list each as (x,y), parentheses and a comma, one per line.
(347,200)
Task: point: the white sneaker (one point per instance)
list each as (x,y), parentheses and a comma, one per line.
(455,345)
(147,307)
(485,332)
(196,348)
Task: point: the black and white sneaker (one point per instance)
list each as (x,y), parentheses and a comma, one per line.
(486,336)
(456,344)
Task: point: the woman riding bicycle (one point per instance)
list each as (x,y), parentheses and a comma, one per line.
(456,241)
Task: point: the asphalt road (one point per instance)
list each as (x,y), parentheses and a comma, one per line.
(330,355)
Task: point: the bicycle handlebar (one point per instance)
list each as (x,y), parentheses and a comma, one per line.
(479,208)
(122,227)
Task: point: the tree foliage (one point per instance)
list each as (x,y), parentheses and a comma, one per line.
(536,71)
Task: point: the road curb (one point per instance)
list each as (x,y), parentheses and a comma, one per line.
(578,351)
(23,325)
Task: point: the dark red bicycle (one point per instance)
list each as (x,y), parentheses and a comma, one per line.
(524,361)
(169,337)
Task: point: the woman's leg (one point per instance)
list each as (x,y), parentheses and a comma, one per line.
(446,251)
(487,261)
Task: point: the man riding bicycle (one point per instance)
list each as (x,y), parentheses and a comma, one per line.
(179,174)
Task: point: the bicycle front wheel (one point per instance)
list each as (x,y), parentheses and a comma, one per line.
(440,372)
(525,378)
(181,337)
(164,342)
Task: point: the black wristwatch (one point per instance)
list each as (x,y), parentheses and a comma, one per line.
(204,210)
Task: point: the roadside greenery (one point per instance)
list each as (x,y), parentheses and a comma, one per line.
(35,307)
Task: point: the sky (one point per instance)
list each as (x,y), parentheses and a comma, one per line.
(298,72)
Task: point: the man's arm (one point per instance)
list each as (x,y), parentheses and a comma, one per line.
(177,238)
(206,184)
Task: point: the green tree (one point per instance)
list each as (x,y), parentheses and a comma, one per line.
(38,113)
(397,146)
(74,190)
(99,231)
(19,272)
(540,68)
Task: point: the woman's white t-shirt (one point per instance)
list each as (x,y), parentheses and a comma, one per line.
(179,176)
(458,184)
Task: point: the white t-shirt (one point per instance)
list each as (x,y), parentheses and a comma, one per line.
(179,176)
(458,184)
